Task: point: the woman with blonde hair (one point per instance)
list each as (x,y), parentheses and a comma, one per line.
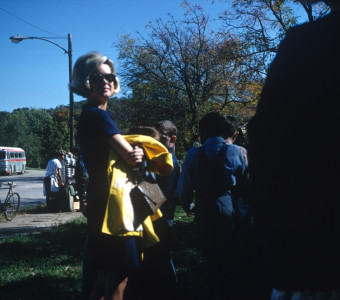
(114,257)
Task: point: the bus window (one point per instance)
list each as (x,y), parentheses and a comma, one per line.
(12,155)
(2,155)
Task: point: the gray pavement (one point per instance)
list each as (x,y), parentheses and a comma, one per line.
(30,188)
(34,222)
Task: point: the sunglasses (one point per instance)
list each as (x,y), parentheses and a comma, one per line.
(99,77)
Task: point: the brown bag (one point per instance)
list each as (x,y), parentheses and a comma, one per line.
(146,198)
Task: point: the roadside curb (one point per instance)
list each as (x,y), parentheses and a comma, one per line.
(34,223)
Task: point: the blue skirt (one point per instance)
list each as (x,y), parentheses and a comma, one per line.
(109,252)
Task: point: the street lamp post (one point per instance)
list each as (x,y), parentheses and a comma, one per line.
(17,39)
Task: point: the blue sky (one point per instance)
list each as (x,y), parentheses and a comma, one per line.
(34,73)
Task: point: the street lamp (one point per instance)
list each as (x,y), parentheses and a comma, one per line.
(17,39)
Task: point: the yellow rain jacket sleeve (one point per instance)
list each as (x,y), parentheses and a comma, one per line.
(119,214)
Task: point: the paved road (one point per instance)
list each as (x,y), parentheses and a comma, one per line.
(29,186)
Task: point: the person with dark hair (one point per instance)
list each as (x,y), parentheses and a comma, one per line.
(213,124)
(292,138)
(53,180)
(157,259)
(168,184)
(232,128)
(234,133)
(164,264)
(82,179)
(217,173)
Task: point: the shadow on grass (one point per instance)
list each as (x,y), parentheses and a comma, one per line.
(191,265)
(48,265)
(42,287)
(43,266)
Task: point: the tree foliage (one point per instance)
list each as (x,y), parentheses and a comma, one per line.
(42,132)
(178,71)
(182,70)
(39,132)
(262,24)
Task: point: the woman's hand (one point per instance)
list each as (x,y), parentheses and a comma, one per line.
(135,156)
(132,155)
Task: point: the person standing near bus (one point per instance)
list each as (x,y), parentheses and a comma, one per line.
(53,178)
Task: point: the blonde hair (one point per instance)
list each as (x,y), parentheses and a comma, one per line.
(84,67)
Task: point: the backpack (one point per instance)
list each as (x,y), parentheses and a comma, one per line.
(222,199)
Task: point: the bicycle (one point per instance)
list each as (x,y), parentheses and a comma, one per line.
(12,202)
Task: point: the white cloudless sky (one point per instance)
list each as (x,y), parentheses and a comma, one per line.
(34,73)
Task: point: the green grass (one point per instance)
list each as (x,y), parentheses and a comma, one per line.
(48,265)
(43,266)
(190,263)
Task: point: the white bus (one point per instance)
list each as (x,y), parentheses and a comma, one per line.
(12,160)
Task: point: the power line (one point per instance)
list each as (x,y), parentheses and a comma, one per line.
(13,15)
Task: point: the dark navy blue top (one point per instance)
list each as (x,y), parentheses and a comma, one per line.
(95,126)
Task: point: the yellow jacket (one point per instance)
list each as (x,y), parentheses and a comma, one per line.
(119,214)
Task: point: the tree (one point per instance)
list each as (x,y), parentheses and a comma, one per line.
(37,120)
(17,132)
(182,69)
(56,133)
(262,24)
(26,128)
(315,11)
(3,119)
